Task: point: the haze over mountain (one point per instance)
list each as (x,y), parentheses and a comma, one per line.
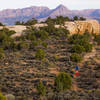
(10,16)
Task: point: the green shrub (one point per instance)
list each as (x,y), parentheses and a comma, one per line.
(63,82)
(22,45)
(7,31)
(61,32)
(2,97)
(78,18)
(77,49)
(17,23)
(41,89)
(75,18)
(97,39)
(44,35)
(31,36)
(49,20)
(11,32)
(58,20)
(76,57)
(3,36)
(31,22)
(88,47)
(80,39)
(50,28)
(87,34)
(2,55)
(40,54)
(44,44)
(82,18)
(13,45)
(6,43)
(34,34)
(75,39)
(81,42)
(1,24)
(41,34)
(35,43)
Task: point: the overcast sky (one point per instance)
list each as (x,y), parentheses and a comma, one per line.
(71,4)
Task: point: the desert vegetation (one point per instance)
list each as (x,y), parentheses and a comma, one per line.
(58,20)
(39,64)
(29,22)
(63,82)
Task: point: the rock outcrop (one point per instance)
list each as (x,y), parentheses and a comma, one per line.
(92,26)
(17,28)
(72,27)
(80,27)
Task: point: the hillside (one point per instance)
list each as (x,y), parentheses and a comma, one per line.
(10,16)
(40,63)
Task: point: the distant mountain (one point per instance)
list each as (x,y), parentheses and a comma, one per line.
(60,10)
(10,16)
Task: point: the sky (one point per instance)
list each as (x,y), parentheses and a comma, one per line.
(71,4)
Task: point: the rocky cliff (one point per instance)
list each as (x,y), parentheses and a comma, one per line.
(92,26)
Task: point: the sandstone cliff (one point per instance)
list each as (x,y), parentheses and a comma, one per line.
(92,26)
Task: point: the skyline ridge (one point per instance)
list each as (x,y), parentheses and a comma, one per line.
(60,5)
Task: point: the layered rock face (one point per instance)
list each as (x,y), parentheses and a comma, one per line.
(92,26)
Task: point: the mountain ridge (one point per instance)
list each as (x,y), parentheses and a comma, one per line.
(10,16)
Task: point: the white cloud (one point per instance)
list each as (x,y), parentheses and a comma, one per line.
(71,4)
